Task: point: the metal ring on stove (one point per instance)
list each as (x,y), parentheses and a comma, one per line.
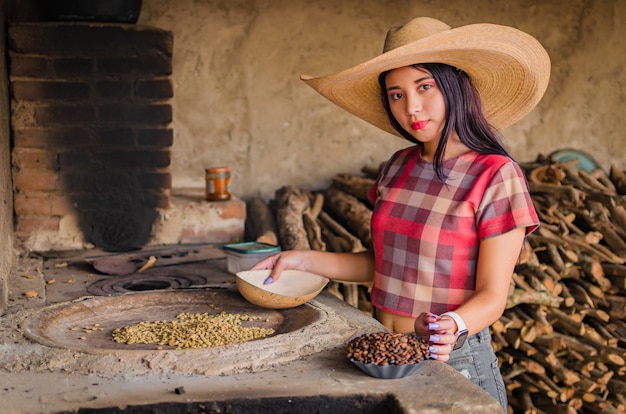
(143,282)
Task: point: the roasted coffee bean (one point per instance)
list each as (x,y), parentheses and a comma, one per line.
(387,348)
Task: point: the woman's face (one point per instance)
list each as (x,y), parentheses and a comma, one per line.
(417,104)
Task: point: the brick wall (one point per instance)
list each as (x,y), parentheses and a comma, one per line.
(91,130)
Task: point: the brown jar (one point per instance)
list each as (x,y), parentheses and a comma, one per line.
(218,184)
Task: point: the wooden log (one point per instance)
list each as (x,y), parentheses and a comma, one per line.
(565,294)
(365,302)
(575,403)
(333,287)
(593,406)
(571,194)
(604,186)
(351,294)
(520,281)
(617,307)
(617,386)
(526,403)
(567,221)
(618,178)
(611,357)
(544,384)
(618,328)
(570,255)
(550,342)
(532,297)
(602,177)
(358,187)
(354,243)
(499,341)
(549,174)
(260,222)
(513,371)
(578,243)
(314,233)
(616,273)
(596,249)
(528,255)
(587,385)
(562,374)
(610,235)
(595,292)
(580,294)
(527,334)
(312,227)
(618,215)
(594,269)
(333,242)
(291,203)
(349,210)
(511,319)
(593,314)
(569,323)
(542,325)
(373,172)
(573,178)
(555,257)
(563,408)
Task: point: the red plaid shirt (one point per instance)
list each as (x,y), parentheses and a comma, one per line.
(426,232)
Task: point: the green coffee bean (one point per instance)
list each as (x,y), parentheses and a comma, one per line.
(192,331)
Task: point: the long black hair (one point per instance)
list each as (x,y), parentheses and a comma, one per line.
(463,114)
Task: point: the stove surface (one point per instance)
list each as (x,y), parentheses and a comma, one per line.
(309,362)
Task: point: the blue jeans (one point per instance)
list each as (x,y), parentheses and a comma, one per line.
(477,361)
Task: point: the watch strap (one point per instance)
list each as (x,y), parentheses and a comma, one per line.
(460,323)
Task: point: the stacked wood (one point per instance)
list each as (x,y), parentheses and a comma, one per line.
(561,341)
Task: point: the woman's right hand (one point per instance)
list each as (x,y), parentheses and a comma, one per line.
(346,267)
(290,259)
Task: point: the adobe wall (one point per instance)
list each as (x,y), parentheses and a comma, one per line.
(238,100)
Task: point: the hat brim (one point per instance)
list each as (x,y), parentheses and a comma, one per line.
(509,68)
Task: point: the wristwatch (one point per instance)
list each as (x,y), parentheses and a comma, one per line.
(461,332)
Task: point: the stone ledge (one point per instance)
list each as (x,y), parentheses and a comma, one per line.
(192,219)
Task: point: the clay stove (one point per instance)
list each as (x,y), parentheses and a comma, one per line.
(302,368)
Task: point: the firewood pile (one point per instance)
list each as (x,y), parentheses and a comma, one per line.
(561,341)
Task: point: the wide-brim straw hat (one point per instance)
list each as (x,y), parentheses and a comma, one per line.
(509,68)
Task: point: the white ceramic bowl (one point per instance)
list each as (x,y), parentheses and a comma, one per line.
(293,288)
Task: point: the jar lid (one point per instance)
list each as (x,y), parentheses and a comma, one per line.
(252,247)
(218,169)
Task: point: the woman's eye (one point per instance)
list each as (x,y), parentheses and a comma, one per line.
(425,86)
(395,96)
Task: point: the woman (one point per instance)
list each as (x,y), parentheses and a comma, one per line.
(450,212)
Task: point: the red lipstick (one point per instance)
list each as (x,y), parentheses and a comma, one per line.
(417,125)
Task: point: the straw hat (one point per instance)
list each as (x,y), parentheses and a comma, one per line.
(509,68)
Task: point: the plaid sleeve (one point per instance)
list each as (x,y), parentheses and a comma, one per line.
(506,204)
